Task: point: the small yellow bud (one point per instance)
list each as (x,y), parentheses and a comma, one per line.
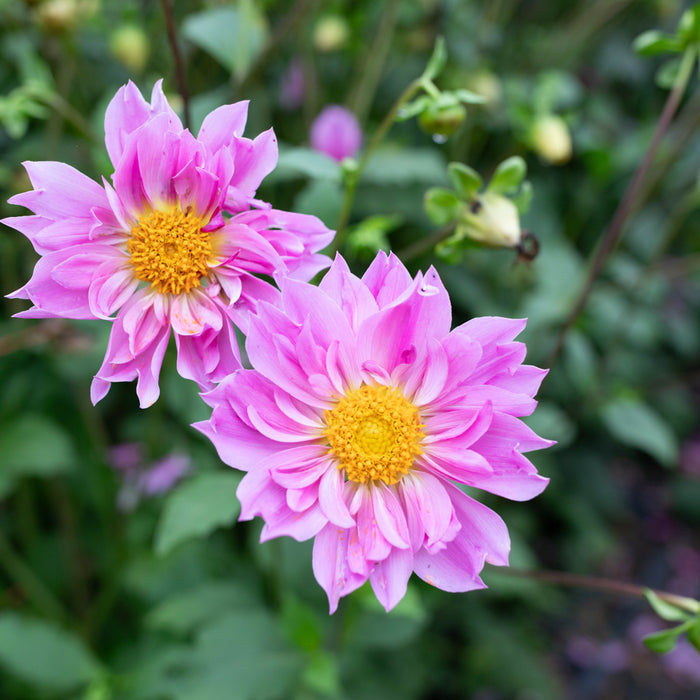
(130,46)
(331,33)
(486,84)
(493,220)
(58,15)
(551,140)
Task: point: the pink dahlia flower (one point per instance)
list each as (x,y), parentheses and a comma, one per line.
(362,413)
(336,132)
(172,244)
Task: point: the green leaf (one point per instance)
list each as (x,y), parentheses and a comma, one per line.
(694,634)
(412,108)
(663,641)
(234,36)
(294,162)
(33,446)
(442,205)
(394,166)
(636,424)
(464,179)
(523,199)
(185,612)
(196,508)
(668,73)
(437,60)
(508,176)
(653,42)
(664,609)
(689,26)
(45,655)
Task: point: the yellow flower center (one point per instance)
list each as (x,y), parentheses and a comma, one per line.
(170,250)
(374,433)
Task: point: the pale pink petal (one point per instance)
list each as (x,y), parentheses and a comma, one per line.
(389,577)
(330,565)
(222,124)
(331,498)
(193,313)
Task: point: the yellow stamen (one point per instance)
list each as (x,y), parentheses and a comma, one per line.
(374,433)
(170,250)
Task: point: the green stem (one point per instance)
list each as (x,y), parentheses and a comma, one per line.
(629,199)
(563,578)
(29,583)
(376,139)
(423,245)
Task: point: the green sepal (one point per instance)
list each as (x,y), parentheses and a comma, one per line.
(654,42)
(442,205)
(663,641)
(508,176)
(664,609)
(437,60)
(466,181)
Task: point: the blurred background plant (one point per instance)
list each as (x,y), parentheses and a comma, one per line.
(165,598)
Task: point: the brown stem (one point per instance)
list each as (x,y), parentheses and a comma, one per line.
(423,245)
(180,75)
(615,228)
(563,578)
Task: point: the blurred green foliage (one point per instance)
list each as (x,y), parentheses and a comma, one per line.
(171,600)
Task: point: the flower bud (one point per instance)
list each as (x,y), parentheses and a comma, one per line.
(336,132)
(551,140)
(493,220)
(130,46)
(442,120)
(58,15)
(331,33)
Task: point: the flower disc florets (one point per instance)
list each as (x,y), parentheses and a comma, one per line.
(362,414)
(153,252)
(374,433)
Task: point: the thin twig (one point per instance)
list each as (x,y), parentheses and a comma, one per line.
(563,578)
(615,228)
(180,74)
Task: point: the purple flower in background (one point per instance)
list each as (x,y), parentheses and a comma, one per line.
(140,479)
(336,132)
(292,86)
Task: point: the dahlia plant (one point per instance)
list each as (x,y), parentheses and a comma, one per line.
(174,243)
(362,415)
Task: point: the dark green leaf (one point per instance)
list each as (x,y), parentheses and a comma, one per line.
(44,655)
(638,425)
(196,508)
(663,641)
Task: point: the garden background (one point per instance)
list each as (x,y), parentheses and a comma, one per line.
(114,586)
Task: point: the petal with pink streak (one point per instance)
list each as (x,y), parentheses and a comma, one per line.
(386,278)
(156,149)
(331,498)
(222,124)
(349,292)
(141,319)
(287,523)
(374,545)
(427,497)
(259,495)
(330,565)
(506,433)
(502,399)
(60,191)
(144,366)
(109,291)
(254,160)
(482,537)
(492,329)
(389,578)
(301,499)
(48,236)
(389,515)
(209,357)
(125,113)
(192,313)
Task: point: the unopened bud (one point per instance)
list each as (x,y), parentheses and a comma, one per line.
(331,33)
(487,85)
(551,140)
(130,46)
(442,120)
(58,15)
(492,219)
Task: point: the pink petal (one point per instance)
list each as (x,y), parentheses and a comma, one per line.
(331,498)
(330,565)
(223,123)
(192,313)
(389,577)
